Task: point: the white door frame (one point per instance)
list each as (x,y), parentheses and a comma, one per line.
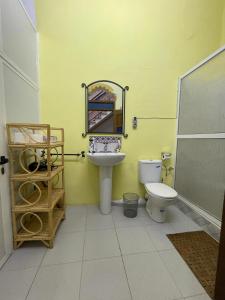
(220,135)
(4,186)
(13,65)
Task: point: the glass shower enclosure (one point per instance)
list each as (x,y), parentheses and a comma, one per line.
(200,156)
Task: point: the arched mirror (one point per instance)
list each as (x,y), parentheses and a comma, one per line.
(104,108)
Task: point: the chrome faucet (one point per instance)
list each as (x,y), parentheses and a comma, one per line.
(105,147)
(92,147)
(118,148)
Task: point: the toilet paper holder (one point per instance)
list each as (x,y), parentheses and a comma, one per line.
(166,155)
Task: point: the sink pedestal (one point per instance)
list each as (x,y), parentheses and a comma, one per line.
(105,161)
(105,189)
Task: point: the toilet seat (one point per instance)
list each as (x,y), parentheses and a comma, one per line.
(160,190)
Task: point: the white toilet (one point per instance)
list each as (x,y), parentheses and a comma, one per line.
(159,194)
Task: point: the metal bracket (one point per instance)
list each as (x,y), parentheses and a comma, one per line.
(3,160)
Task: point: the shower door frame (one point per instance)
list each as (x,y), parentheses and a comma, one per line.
(220,275)
(196,208)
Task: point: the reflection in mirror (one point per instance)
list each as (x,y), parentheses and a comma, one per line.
(105,107)
(105,111)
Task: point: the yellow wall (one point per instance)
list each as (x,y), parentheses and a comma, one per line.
(223,27)
(145,44)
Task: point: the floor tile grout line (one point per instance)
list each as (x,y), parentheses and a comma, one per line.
(194,295)
(169,273)
(62,263)
(74,231)
(101,258)
(190,297)
(19,269)
(41,265)
(100,229)
(144,226)
(146,231)
(35,276)
(95,259)
(82,262)
(150,238)
(85,231)
(156,250)
(2,267)
(139,253)
(115,228)
(129,287)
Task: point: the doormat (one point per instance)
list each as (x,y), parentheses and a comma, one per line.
(200,252)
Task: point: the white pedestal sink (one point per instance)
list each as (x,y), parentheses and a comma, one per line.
(106,161)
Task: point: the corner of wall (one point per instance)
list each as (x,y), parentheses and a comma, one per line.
(222,41)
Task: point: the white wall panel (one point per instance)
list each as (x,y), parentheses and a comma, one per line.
(2,144)
(30,8)
(2,244)
(20,97)
(18,92)
(19,37)
(1,41)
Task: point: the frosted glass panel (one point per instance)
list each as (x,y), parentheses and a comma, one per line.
(202,108)
(200,173)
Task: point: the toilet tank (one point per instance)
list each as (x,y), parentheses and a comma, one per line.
(149,170)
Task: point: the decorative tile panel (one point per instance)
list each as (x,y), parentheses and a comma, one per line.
(104,144)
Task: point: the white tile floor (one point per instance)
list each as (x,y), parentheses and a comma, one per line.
(98,257)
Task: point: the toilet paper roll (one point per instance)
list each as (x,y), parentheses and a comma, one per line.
(166,156)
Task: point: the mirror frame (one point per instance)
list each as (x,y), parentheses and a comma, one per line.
(124,89)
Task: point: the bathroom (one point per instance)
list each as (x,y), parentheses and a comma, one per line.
(153,50)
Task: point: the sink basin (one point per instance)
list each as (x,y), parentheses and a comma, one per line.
(106,159)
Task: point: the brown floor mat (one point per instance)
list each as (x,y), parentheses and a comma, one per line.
(200,252)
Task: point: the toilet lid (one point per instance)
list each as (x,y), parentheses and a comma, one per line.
(161,190)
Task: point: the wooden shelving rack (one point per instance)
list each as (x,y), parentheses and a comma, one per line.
(36,181)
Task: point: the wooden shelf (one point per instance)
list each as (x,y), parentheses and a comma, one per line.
(43,204)
(45,234)
(34,220)
(36,145)
(22,135)
(39,175)
(58,216)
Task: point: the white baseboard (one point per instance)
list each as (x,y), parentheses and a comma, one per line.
(201,212)
(119,202)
